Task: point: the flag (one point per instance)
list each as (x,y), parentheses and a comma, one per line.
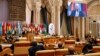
(0,28)
(19,28)
(9,28)
(4,28)
(14,28)
(31,27)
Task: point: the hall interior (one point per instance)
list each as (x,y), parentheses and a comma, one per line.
(47,22)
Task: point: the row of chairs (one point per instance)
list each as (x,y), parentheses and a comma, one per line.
(57,52)
(24,45)
(61,52)
(23,50)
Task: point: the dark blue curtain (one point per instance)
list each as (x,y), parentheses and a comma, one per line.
(44,16)
(61,18)
(68,23)
(32,16)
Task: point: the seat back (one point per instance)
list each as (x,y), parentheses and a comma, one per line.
(45,53)
(22,43)
(22,38)
(78,48)
(96,48)
(6,51)
(73,55)
(21,51)
(61,52)
(69,43)
(21,48)
(38,38)
(30,37)
(93,54)
(50,43)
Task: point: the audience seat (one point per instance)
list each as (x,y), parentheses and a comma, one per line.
(6,51)
(30,36)
(93,54)
(22,43)
(78,48)
(49,47)
(50,43)
(21,51)
(61,52)
(96,48)
(69,43)
(38,38)
(21,48)
(45,53)
(52,40)
(22,38)
(74,55)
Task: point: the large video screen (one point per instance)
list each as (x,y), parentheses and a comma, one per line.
(77,9)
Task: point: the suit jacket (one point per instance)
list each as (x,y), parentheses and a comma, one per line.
(86,49)
(0,48)
(33,49)
(73,13)
(90,51)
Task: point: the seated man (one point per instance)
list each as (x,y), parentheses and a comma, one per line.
(32,50)
(90,39)
(0,48)
(87,49)
(60,44)
(77,39)
(71,50)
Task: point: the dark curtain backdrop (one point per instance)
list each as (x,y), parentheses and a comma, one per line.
(44,17)
(32,16)
(68,21)
(61,18)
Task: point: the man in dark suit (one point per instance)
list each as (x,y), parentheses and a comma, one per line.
(32,50)
(71,50)
(0,48)
(87,49)
(77,12)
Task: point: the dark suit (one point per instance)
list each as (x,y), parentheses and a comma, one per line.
(33,49)
(92,41)
(0,48)
(87,49)
(90,51)
(73,13)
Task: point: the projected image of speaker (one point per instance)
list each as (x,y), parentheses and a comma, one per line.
(77,9)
